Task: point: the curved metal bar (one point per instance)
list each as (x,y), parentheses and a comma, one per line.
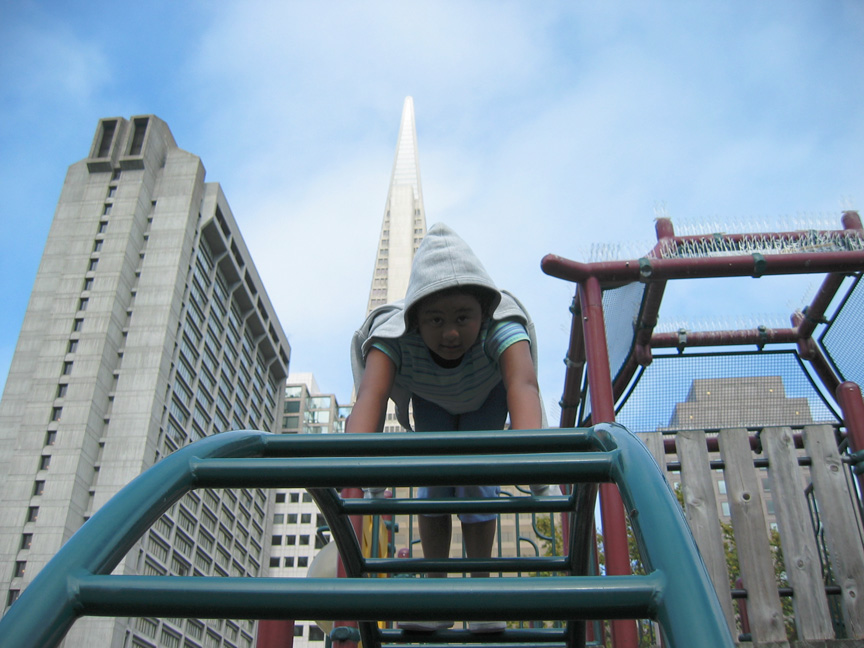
(330,505)
(676,592)
(100,544)
(690,611)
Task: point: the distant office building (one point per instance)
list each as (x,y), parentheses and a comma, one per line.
(299,529)
(148,328)
(760,401)
(729,402)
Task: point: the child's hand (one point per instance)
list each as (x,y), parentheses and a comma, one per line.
(545,490)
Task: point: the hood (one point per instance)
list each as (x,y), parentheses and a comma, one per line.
(445,261)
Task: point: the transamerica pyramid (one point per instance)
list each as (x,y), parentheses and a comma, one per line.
(402,229)
(404,222)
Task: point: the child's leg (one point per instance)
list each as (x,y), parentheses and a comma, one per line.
(479,538)
(435,533)
(480,534)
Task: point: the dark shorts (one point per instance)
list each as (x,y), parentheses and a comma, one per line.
(492,415)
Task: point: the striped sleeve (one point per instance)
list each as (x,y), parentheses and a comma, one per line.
(502,335)
(390,348)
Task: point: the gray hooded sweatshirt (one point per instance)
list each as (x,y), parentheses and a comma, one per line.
(442,261)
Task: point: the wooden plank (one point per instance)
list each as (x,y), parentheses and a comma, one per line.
(800,553)
(838,517)
(751,538)
(654,442)
(700,505)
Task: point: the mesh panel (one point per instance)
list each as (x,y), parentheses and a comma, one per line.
(621,307)
(709,391)
(842,340)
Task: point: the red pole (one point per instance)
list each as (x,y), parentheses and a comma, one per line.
(849,397)
(742,609)
(357,523)
(624,633)
(275,633)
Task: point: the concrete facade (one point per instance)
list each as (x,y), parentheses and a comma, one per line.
(147,329)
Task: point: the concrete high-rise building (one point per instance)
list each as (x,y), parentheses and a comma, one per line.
(739,403)
(148,328)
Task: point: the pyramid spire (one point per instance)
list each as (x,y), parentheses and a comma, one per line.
(404,222)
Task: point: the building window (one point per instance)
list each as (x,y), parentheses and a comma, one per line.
(274,561)
(280,498)
(304,539)
(108,128)
(26,540)
(92,265)
(82,304)
(67,367)
(97,245)
(139,127)
(290,540)
(32,513)
(77,325)
(111,191)
(88,283)
(72,347)
(298,630)
(20,568)
(50,437)
(116,175)
(44,462)
(276,540)
(55,413)
(302,561)
(38,487)
(316,633)
(13,596)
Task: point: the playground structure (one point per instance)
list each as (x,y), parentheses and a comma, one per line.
(687,595)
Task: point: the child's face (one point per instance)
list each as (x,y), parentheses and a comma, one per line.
(450,324)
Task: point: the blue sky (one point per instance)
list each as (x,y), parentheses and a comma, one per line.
(543,127)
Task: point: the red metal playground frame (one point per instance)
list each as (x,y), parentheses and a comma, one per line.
(588,352)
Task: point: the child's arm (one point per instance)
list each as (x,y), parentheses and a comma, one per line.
(523,392)
(370,407)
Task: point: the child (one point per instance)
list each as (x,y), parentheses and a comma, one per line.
(464,353)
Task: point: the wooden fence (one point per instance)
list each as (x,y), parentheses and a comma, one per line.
(794,482)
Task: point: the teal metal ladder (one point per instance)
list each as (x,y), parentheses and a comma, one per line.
(676,592)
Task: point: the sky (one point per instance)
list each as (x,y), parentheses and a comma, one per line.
(543,127)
